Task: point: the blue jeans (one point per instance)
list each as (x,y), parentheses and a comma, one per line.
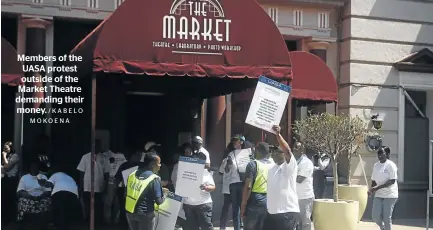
(225,211)
(236,195)
(382,212)
(255,216)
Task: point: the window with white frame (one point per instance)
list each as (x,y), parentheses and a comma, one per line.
(273,13)
(323,20)
(117,3)
(65,2)
(94,4)
(38,1)
(298,17)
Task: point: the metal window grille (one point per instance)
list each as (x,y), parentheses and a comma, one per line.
(273,13)
(117,3)
(94,4)
(323,20)
(65,2)
(298,17)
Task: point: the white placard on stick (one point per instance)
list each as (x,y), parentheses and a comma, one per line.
(241,157)
(126,173)
(189,177)
(168,211)
(268,104)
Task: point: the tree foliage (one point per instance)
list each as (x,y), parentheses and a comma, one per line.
(333,135)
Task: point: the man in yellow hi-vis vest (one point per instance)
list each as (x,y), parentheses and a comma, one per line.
(143,191)
(253,207)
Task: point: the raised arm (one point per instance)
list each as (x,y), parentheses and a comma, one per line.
(283,143)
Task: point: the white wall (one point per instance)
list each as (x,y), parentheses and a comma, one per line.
(376,34)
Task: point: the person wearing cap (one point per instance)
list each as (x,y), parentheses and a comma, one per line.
(163,172)
(198,212)
(253,207)
(197,145)
(282,200)
(236,182)
(143,191)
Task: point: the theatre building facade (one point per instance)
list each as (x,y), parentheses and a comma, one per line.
(369,51)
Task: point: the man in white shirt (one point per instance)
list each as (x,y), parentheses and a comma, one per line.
(197,147)
(321,163)
(102,170)
(64,199)
(282,201)
(199,212)
(304,186)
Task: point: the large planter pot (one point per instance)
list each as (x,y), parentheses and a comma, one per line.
(355,192)
(330,215)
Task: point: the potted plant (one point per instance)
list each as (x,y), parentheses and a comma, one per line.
(351,191)
(333,135)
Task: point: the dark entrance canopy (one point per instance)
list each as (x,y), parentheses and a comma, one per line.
(313,80)
(234,39)
(12,70)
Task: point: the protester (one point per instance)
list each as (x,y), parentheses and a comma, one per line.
(133,161)
(163,172)
(225,188)
(321,163)
(110,202)
(199,212)
(10,169)
(304,185)
(253,207)
(143,190)
(33,200)
(185,150)
(282,201)
(236,181)
(102,170)
(43,154)
(384,188)
(64,198)
(197,147)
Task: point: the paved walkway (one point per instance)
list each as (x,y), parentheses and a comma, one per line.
(398,225)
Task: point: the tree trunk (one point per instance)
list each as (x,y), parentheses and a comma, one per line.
(349,175)
(334,168)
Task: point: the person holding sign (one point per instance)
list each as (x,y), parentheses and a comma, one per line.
(282,203)
(143,190)
(253,207)
(198,212)
(236,163)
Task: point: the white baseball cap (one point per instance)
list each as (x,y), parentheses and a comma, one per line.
(197,139)
(149,145)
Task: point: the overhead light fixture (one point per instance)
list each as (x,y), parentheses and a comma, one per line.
(145,93)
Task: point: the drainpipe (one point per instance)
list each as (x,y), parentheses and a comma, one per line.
(339,40)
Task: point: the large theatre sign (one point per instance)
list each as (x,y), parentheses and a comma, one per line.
(196,27)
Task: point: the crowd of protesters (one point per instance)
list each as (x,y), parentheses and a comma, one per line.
(275,191)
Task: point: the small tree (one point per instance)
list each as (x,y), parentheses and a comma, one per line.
(333,135)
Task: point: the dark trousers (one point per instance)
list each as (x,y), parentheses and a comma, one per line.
(319,184)
(236,195)
(198,217)
(141,221)
(99,207)
(225,211)
(122,212)
(65,209)
(9,201)
(255,216)
(283,221)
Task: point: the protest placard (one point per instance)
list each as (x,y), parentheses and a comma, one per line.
(268,104)
(189,176)
(167,212)
(241,158)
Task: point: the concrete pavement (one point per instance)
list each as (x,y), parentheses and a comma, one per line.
(398,225)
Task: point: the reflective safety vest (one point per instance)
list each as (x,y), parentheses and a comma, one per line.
(261,182)
(134,189)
